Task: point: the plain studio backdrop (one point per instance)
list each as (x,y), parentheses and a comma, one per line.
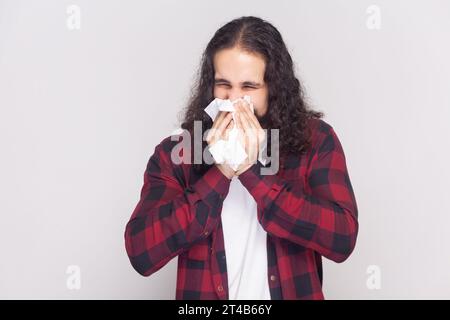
(88,88)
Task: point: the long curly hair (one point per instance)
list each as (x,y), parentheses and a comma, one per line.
(287,109)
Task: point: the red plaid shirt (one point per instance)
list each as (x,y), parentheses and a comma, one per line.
(308,210)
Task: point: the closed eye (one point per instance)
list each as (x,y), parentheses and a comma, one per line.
(223,84)
(226,85)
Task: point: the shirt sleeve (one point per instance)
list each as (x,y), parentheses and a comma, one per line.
(169,218)
(324,218)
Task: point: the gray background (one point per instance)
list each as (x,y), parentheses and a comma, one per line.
(82,110)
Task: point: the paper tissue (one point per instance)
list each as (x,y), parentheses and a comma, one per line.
(230,151)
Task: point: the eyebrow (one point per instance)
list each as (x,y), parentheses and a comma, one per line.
(244,83)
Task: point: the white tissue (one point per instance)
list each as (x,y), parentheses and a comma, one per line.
(229,151)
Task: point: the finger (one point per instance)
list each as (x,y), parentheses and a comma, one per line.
(254,127)
(246,126)
(240,129)
(252,117)
(243,126)
(224,123)
(214,133)
(238,120)
(218,119)
(251,135)
(259,131)
(245,119)
(228,128)
(245,106)
(223,120)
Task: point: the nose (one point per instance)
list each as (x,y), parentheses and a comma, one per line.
(234,94)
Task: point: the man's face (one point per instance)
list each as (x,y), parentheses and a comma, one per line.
(238,73)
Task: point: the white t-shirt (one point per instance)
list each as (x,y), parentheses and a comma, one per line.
(245,245)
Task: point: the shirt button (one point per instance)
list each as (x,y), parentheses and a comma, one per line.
(220,288)
(273,278)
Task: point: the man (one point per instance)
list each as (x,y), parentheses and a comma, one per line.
(241,234)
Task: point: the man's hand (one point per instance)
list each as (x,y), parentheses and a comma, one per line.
(220,129)
(252,135)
